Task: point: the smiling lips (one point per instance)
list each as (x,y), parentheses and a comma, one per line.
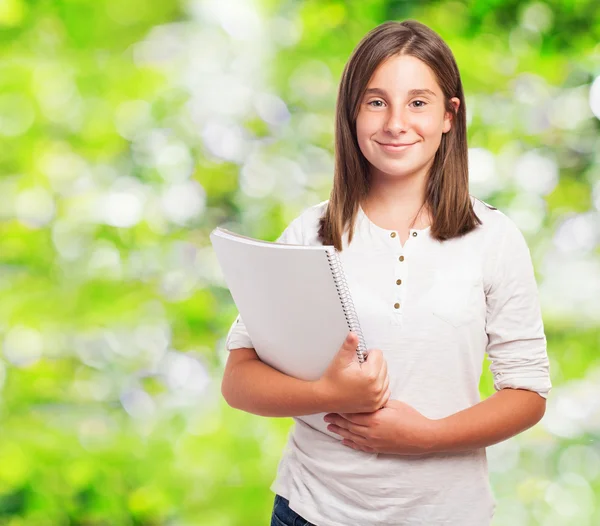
(392,147)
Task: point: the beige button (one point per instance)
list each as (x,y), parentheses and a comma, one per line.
(414,234)
(393,234)
(396,305)
(401,258)
(398,282)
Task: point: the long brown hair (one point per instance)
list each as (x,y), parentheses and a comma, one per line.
(447,191)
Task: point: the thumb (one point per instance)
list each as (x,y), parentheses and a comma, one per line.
(350,344)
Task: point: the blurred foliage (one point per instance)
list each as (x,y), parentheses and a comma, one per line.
(131,129)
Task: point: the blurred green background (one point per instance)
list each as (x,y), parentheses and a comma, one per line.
(130,129)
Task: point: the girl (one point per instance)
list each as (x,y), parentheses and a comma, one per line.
(437,278)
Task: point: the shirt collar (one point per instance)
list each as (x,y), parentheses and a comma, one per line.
(364,223)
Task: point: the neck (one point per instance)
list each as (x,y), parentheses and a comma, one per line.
(399,199)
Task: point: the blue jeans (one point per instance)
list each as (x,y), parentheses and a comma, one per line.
(283,516)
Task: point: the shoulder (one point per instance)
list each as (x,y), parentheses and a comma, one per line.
(493,219)
(303,229)
(497,228)
(313,213)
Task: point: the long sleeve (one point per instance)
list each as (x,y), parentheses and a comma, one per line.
(516,339)
(238,336)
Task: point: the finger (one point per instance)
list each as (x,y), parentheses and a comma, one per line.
(374,359)
(385,388)
(346,434)
(384,370)
(361,419)
(385,399)
(350,444)
(353,445)
(382,374)
(386,383)
(383,381)
(357,429)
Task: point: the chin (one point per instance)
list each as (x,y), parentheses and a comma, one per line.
(399,168)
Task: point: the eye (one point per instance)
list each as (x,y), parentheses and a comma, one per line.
(422,103)
(371,103)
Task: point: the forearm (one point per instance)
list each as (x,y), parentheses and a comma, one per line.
(257,388)
(499,417)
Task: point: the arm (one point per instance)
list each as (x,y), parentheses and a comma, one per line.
(501,416)
(400,429)
(253,386)
(517,349)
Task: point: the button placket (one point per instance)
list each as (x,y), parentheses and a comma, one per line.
(397,307)
(400,253)
(399,292)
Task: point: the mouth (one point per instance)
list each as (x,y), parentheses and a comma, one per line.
(395,147)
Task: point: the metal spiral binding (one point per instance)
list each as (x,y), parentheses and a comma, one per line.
(343,291)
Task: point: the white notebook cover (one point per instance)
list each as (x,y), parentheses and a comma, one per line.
(287,298)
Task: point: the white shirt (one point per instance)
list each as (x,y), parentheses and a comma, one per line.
(433,315)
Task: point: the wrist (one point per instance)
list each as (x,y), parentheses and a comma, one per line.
(322,395)
(434,439)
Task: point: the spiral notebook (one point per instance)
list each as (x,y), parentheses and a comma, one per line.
(294,301)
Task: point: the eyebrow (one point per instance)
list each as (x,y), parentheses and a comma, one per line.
(412,92)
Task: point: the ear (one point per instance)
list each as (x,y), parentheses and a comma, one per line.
(455,101)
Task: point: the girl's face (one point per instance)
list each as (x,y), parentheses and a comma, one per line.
(401,118)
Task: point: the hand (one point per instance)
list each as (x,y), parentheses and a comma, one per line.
(397,428)
(348,386)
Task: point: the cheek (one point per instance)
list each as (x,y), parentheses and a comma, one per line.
(364,125)
(365,128)
(431,126)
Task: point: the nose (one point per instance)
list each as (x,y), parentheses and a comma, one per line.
(396,121)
